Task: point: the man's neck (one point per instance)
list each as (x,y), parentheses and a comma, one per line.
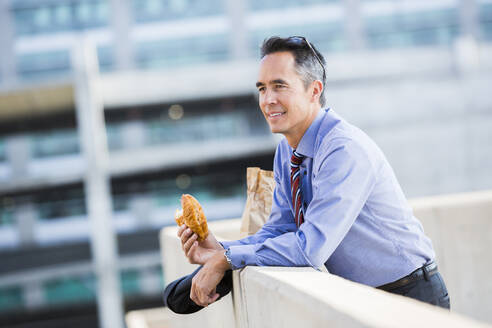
(294,137)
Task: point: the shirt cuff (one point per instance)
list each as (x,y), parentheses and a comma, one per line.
(224,244)
(242,255)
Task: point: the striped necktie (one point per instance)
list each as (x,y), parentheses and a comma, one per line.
(295,163)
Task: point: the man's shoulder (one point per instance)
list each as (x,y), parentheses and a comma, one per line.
(336,133)
(333,132)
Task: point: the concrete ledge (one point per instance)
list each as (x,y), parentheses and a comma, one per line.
(303,297)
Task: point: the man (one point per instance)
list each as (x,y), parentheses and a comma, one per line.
(336,202)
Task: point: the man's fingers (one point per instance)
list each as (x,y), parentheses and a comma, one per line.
(214,298)
(191,258)
(189,243)
(185,235)
(195,296)
(181,229)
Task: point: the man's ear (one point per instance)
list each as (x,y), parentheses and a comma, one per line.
(317,89)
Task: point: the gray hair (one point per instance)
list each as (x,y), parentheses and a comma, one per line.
(307,66)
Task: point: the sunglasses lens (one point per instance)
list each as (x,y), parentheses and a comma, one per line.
(299,40)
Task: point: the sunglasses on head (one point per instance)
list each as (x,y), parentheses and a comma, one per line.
(301,40)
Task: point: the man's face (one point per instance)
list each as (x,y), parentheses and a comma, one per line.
(285,102)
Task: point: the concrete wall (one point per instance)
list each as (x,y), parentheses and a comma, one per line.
(460,226)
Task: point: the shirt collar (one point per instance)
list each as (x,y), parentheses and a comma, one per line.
(306,145)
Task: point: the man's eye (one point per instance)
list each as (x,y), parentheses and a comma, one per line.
(261,89)
(279,86)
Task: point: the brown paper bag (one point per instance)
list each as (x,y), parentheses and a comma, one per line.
(259,200)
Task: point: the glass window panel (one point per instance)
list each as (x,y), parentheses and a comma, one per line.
(55,143)
(63,15)
(3,151)
(208,127)
(130,282)
(178,6)
(7,208)
(204,187)
(152,10)
(60,17)
(60,204)
(10,298)
(153,6)
(61,209)
(22,19)
(70,289)
(102,12)
(256,5)
(105,56)
(121,202)
(42,17)
(327,37)
(6,215)
(436,27)
(43,64)
(177,52)
(485,21)
(83,11)
(115,136)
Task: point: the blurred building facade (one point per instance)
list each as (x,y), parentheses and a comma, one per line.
(177,79)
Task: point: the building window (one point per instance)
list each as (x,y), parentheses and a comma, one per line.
(420,28)
(43,64)
(33,18)
(165,10)
(257,5)
(55,143)
(326,36)
(70,290)
(6,212)
(105,56)
(198,128)
(10,298)
(3,151)
(130,284)
(485,21)
(178,52)
(60,204)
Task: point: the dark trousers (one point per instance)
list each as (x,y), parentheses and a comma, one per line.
(424,284)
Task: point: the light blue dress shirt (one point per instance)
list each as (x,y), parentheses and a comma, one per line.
(357,222)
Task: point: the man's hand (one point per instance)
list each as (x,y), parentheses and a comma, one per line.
(197,252)
(206,280)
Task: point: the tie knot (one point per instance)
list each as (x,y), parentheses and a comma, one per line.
(296,159)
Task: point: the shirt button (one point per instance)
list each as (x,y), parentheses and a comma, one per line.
(242,262)
(305,172)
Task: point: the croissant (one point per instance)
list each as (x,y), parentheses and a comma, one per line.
(178,217)
(192,215)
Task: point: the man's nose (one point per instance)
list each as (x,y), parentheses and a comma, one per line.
(270,97)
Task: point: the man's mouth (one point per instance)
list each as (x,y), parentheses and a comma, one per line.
(270,115)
